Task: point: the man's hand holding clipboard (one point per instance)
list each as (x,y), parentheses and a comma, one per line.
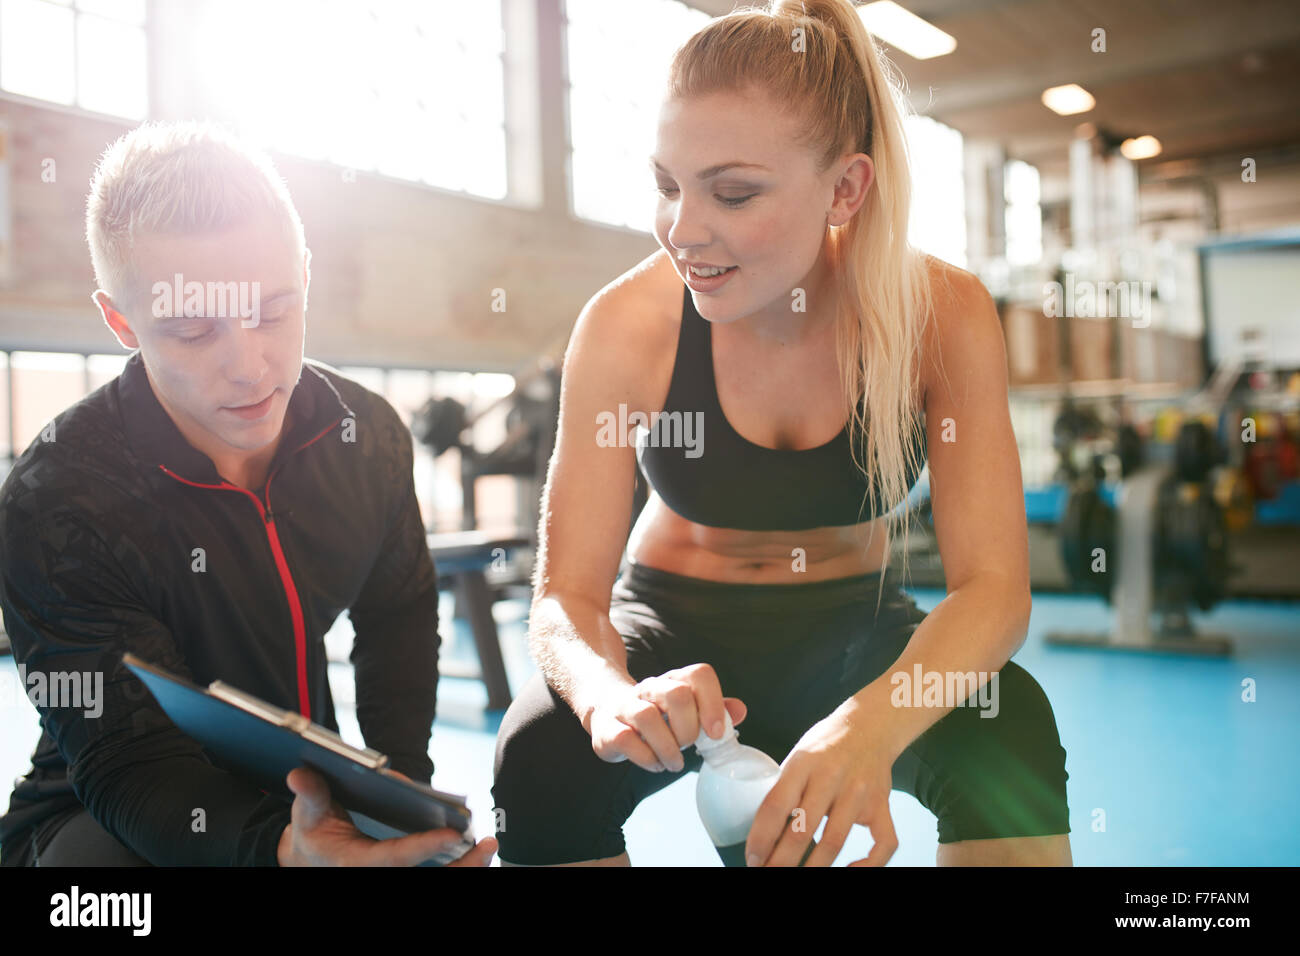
(349,807)
(322,834)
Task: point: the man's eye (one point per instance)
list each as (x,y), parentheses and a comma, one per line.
(665,190)
(195,338)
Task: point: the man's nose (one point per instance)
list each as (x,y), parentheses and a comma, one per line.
(246,360)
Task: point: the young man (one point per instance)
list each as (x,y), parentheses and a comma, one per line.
(213,509)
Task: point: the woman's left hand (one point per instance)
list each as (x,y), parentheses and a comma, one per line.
(839,769)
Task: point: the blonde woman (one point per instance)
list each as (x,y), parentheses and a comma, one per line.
(796,362)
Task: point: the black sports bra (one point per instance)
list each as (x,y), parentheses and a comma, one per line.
(704,470)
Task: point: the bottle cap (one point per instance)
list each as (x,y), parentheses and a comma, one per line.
(705,744)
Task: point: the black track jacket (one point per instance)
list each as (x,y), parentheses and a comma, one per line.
(101,524)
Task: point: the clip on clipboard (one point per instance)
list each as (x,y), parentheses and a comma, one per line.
(264,742)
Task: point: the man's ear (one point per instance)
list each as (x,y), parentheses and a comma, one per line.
(306,277)
(115,319)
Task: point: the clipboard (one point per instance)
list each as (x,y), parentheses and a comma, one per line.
(263,743)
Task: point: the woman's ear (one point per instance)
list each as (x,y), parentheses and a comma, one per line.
(852,188)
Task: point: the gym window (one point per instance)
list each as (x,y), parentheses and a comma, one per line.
(88,53)
(37,386)
(1024,214)
(367,85)
(938,218)
(616,63)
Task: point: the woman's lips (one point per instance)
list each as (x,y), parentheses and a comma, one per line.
(710,283)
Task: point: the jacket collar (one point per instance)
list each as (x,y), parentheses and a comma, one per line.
(153,437)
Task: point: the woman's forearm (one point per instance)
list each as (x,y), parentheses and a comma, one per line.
(577,650)
(974,630)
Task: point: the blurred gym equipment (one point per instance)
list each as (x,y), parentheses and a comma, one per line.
(1163,548)
(463,559)
(534,407)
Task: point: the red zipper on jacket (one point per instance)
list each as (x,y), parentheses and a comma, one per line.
(286,579)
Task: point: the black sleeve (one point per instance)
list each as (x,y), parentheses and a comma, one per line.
(71,607)
(395,618)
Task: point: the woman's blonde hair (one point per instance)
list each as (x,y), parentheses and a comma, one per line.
(817,59)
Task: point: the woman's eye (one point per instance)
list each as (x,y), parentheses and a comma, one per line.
(728,200)
(196,338)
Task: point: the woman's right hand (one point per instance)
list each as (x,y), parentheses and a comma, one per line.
(651,722)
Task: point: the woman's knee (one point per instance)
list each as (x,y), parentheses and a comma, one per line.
(1030,730)
(996,770)
(553,797)
(1019,787)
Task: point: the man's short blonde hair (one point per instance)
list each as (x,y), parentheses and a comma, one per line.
(180,178)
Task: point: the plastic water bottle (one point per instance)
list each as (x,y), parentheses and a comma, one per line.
(733,782)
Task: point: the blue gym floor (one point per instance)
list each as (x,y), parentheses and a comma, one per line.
(1163,748)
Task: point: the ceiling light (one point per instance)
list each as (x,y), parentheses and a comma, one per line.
(1068,99)
(905,31)
(1141,147)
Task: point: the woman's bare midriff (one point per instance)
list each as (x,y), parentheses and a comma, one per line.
(665,540)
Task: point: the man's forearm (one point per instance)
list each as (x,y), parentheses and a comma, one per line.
(976,628)
(577,650)
(396,710)
(395,656)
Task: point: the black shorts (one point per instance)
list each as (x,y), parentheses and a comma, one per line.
(792,653)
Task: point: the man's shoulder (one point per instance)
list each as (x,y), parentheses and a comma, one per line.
(49,490)
(62,517)
(350,392)
(78,458)
(377,430)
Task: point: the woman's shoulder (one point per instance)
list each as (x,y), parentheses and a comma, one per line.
(958,297)
(640,299)
(629,328)
(965,322)
(951,287)
(651,290)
